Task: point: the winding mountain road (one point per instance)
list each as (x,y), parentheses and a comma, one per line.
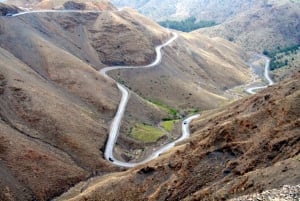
(115,126)
(252,90)
(116,123)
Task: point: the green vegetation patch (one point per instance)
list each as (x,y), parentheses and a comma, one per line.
(282,56)
(169,125)
(172,111)
(187,25)
(146,133)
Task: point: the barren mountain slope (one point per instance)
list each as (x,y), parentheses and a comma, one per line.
(214,10)
(61,103)
(127,38)
(95,38)
(53,124)
(50,138)
(249,146)
(275,25)
(44,47)
(194,73)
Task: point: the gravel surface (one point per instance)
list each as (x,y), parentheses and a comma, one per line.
(286,193)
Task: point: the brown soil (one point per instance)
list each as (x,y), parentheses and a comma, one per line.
(53,125)
(250,146)
(56,109)
(50,138)
(55,103)
(194,73)
(186,80)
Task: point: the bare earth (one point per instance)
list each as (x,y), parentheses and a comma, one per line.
(250,146)
(55,111)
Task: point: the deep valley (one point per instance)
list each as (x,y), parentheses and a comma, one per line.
(57,107)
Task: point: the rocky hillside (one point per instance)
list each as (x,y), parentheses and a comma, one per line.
(267,27)
(249,146)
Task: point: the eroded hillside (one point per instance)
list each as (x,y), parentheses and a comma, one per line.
(249,146)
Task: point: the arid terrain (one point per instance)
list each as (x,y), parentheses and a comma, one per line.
(271,28)
(186,80)
(267,27)
(53,125)
(56,109)
(194,61)
(202,10)
(249,146)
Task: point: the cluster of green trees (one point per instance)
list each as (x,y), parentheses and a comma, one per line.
(187,25)
(274,64)
(277,56)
